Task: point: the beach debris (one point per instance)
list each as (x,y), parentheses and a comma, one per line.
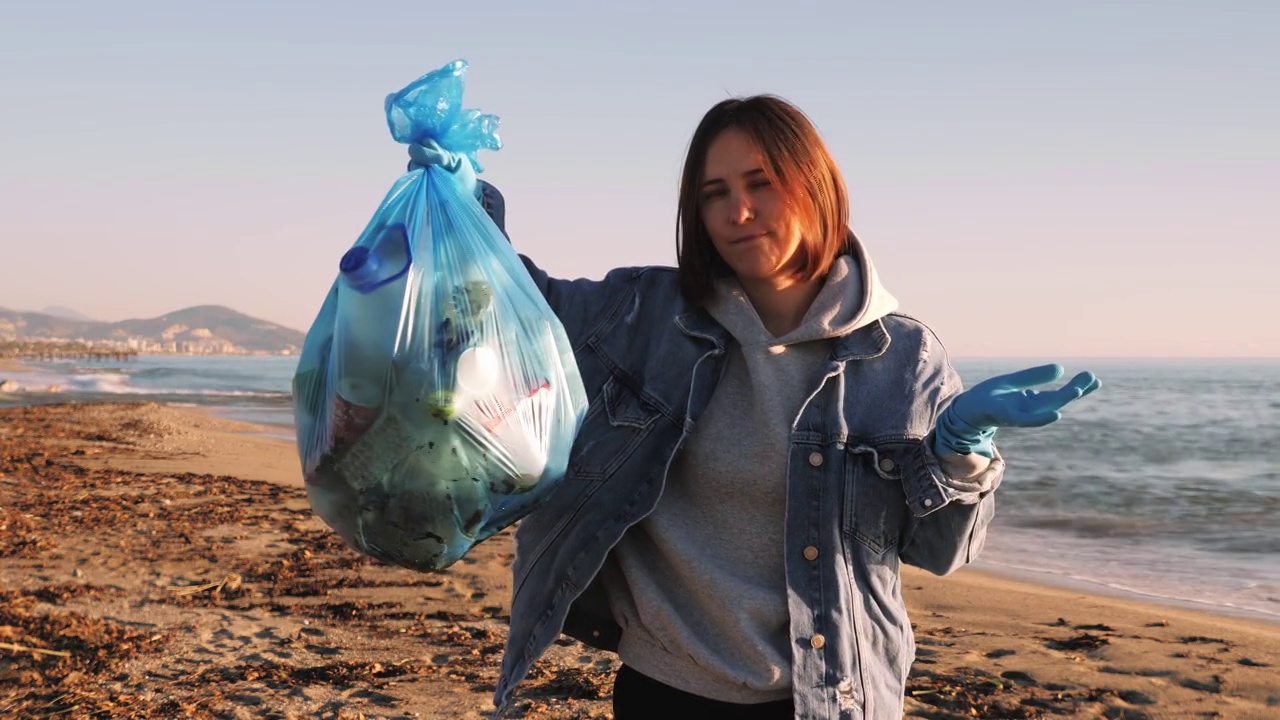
(969,692)
(1202,639)
(1083,641)
(12,647)
(231,581)
(53,661)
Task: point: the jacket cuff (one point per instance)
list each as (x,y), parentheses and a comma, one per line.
(929,488)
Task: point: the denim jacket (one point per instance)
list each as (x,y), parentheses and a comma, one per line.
(865,491)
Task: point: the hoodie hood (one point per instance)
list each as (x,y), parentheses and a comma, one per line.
(851,297)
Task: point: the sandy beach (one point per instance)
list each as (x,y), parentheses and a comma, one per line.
(158,562)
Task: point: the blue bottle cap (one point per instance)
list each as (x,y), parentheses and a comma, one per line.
(368,266)
(360,268)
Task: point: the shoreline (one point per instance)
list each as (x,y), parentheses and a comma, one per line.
(1090,586)
(149,526)
(1015,582)
(1150,601)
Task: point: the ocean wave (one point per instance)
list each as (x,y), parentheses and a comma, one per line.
(72,386)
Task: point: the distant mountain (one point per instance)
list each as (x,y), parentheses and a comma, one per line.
(65,313)
(209,328)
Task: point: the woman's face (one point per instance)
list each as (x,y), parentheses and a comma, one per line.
(748,219)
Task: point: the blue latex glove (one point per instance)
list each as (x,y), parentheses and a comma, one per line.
(429,153)
(970,422)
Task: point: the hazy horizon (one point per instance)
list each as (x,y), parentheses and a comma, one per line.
(1066,359)
(1075,181)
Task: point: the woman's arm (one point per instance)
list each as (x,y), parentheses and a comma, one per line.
(951,497)
(580,303)
(951,488)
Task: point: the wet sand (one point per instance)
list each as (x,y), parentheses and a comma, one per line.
(158,562)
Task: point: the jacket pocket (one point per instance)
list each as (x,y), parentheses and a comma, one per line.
(617,422)
(875,505)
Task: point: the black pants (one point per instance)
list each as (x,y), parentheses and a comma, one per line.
(637,697)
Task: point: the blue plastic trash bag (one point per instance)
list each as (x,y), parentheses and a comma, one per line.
(436,398)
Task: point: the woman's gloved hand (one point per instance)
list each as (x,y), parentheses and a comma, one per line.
(970,422)
(430,153)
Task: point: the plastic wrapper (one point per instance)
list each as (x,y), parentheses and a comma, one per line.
(436,397)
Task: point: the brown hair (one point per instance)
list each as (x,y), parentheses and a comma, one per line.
(796,161)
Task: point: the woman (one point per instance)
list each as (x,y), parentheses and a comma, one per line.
(767,440)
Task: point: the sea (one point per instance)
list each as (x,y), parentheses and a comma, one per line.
(1164,485)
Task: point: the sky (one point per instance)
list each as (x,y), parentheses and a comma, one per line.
(1031,179)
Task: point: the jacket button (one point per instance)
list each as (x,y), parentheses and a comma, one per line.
(817,642)
(815,459)
(811,553)
(886,465)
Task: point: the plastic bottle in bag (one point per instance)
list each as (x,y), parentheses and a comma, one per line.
(371,298)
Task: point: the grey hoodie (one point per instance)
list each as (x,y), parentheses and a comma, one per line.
(698,586)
